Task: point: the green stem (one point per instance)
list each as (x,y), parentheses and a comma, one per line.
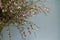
(0,36)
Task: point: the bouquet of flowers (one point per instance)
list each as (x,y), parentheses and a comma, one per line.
(17,12)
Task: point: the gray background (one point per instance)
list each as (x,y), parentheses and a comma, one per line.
(49,25)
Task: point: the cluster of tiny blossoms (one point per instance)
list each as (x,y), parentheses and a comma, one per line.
(17,11)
